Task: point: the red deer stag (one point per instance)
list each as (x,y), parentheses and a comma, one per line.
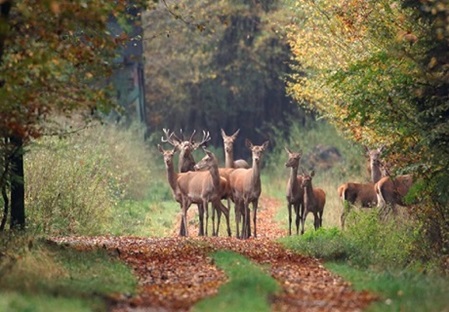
(362,194)
(295,192)
(246,188)
(314,201)
(228,142)
(185,147)
(202,187)
(391,191)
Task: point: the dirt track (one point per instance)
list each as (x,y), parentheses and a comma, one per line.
(176,272)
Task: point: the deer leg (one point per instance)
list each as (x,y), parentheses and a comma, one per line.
(247,223)
(303,220)
(316,221)
(184,218)
(223,209)
(297,208)
(255,204)
(289,207)
(237,217)
(214,209)
(218,208)
(206,210)
(201,218)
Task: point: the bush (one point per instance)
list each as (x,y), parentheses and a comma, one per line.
(73,182)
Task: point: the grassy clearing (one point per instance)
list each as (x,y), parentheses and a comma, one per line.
(37,276)
(247,290)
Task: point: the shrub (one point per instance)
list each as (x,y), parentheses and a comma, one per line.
(73,182)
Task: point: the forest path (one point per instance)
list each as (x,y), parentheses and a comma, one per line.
(175,272)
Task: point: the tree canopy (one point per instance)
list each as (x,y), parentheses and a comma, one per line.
(378,71)
(218,64)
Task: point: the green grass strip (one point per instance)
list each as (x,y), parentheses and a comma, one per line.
(399,291)
(248,289)
(51,278)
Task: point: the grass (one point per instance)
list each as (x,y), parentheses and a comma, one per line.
(247,290)
(399,290)
(52,278)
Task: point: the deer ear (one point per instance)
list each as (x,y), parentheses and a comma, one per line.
(248,143)
(159,147)
(223,134)
(236,133)
(287,150)
(265,144)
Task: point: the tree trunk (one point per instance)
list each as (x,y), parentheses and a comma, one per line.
(17,185)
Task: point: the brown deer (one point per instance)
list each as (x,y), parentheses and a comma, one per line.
(246,188)
(186,161)
(314,201)
(362,194)
(391,191)
(295,192)
(172,178)
(202,187)
(185,147)
(228,142)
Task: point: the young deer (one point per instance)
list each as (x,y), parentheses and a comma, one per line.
(295,192)
(391,191)
(172,178)
(314,201)
(202,187)
(246,188)
(228,142)
(362,194)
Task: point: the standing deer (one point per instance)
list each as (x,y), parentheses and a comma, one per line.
(391,191)
(295,192)
(362,194)
(186,161)
(202,187)
(314,201)
(228,142)
(172,178)
(246,189)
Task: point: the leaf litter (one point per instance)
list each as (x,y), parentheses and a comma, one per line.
(175,272)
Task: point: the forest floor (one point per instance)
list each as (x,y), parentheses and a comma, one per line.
(175,272)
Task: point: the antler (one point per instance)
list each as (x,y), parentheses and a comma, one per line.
(206,138)
(170,138)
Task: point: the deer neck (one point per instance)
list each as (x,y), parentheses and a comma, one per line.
(308,194)
(293,179)
(229,159)
(255,175)
(376,173)
(215,176)
(172,177)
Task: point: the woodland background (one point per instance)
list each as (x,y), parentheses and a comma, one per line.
(288,71)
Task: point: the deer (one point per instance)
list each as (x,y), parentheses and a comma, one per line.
(246,188)
(185,147)
(314,201)
(362,194)
(228,146)
(186,161)
(202,187)
(392,190)
(295,192)
(172,178)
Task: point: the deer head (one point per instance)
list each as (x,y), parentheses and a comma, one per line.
(293,158)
